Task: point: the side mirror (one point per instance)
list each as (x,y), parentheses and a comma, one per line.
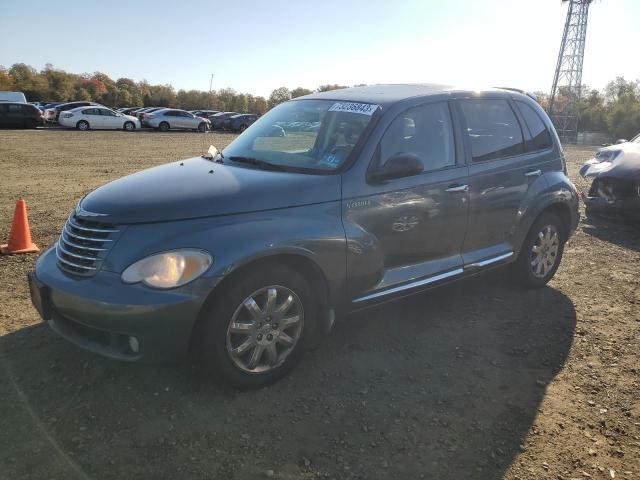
(621,140)
(398,166)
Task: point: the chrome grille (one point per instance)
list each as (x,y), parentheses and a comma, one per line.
(84,244)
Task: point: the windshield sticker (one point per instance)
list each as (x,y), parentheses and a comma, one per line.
(351,107)
(330,160)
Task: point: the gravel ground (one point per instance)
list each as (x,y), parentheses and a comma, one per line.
(478,380)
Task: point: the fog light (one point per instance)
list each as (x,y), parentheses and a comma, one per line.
(134,345)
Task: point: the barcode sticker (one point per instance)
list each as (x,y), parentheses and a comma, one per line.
(363,108)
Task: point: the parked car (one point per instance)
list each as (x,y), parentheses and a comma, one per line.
(141,114)
(250,253)
(128,110)
(98,118)
(218,119)
(204,113)
(172,119)
(239,123)
(13,97)
(52,114)
(19,115)
(615,189)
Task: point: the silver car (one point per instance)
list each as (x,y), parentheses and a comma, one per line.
(169,118)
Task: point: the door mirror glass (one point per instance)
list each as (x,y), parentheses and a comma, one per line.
(398,166)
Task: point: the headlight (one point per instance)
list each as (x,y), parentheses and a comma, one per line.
(67,115)
(168,269)
(607,155)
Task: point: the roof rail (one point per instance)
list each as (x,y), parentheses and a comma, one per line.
(519,90)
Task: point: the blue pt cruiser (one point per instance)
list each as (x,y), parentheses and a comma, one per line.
(329,203)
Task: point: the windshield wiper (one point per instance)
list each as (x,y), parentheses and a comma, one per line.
(258,163)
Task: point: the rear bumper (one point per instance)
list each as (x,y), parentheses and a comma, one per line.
(101,313)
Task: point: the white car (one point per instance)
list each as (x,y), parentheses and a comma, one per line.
(97,118)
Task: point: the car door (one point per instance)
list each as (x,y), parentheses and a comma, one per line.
(110,120)
(189,120)
(500,173)
(408,232)
(93,116)
(14,115)
(4,122)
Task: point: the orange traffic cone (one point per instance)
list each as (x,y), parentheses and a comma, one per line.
(20,236)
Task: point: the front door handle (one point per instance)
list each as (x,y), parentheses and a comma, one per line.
(458,188)
(533,173)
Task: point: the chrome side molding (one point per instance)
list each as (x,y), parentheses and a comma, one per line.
(489,261)
(408,286)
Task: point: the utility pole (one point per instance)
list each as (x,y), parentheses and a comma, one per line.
(564,103)
(210,87)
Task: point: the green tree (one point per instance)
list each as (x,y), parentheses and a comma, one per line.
(278,96)
(300,92)
(327,88)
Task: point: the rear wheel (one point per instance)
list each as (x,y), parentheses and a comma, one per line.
(129,126)
(31,123)
(82,125)
(164,127)
(541,252)
(255,331)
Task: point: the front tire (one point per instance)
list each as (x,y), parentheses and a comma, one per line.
(129,126)
(202,127)
(255,331)
(243,127)
(164,127)
(541,252)
(82,125)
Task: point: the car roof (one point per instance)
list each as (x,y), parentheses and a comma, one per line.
(387,94)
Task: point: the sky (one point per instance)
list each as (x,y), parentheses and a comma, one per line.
(255,46)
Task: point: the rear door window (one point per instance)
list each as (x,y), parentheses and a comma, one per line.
(492,128)
(540,136)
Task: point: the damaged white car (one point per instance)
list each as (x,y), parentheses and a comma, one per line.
(615,188)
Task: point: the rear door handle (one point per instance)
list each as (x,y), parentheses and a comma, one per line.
(458,188)
(533,173)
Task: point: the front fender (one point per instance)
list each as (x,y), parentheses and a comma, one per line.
(313,231)
(550,189)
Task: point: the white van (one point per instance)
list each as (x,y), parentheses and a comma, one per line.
(12,97)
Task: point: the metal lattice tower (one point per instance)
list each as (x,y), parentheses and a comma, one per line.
(567,82)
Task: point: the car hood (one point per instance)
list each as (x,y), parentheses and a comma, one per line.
(131,117)
(198,187)
(625,165)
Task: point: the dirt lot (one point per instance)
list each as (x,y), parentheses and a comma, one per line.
(479,380)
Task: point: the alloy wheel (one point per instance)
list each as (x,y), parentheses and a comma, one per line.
(544,253)
(265,329)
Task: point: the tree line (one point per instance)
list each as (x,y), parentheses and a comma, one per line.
(615,110)
(54,85)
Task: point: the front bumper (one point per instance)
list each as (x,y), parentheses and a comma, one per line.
(629,208)
(101,313)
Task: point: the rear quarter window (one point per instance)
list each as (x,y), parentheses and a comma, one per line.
(540,136)
(492,128)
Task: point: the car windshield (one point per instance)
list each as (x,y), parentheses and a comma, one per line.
(636,139)
(304,135)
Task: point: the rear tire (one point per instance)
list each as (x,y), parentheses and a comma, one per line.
(32,124)
(82,125)
(232,333)
(129,126)
(541,252)
(164,127)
